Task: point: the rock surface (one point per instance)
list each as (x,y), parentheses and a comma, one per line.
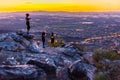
(34,47)
(21,72)
(81,70)
(21,50)
(62,73)
(88,56)
(49,68)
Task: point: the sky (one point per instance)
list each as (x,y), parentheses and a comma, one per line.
(60,5)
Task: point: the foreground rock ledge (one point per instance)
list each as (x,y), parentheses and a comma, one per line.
(23,58)
(21,72)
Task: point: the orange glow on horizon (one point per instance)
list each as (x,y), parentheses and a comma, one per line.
(62,5)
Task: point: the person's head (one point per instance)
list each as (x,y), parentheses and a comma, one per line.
(52,33)
(27,14)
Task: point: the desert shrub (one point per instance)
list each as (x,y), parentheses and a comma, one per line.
(102,76)
(98,55)
(105,54)
(111,55)
(99,65)
(114,71)
(57,43)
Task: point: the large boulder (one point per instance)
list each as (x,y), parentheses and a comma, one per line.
(70,50)
(21,72)
(62,73)
(28,36)
(48,66)
(88,56)
(20,39)
(11,46)
(12,42)
(67,61)
(63,60)
(80,70)
(10,61)
(3,37)
(16,37)
(34,47)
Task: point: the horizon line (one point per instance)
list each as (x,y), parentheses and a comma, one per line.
(98,11)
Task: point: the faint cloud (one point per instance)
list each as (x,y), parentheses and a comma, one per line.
(28,2)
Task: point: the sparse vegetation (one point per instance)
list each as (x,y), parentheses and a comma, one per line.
(105,54)
(111,68)
(100,55)
(102,76)
(58,43)
(114,71)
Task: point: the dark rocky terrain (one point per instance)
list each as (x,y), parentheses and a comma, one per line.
(23,58)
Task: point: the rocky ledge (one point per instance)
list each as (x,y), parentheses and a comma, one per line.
(23,58)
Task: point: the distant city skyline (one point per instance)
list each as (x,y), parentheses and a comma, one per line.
(60,5)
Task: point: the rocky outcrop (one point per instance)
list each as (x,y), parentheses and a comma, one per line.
(21,50)
(62,73)
(20,39)
(21,72)
(3,37)
(48,68)
(10,61)
(81,70)
(88,56)
(18,42)
(70,50)
(33,47)
(28,36)
(13,46)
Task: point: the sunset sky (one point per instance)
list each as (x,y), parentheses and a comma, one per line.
(60,5)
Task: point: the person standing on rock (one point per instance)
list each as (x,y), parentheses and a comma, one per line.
(52,38)
(27,22)
(43,39)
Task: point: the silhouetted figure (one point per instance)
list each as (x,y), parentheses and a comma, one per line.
(52,38)
(43,39)
(27,22)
